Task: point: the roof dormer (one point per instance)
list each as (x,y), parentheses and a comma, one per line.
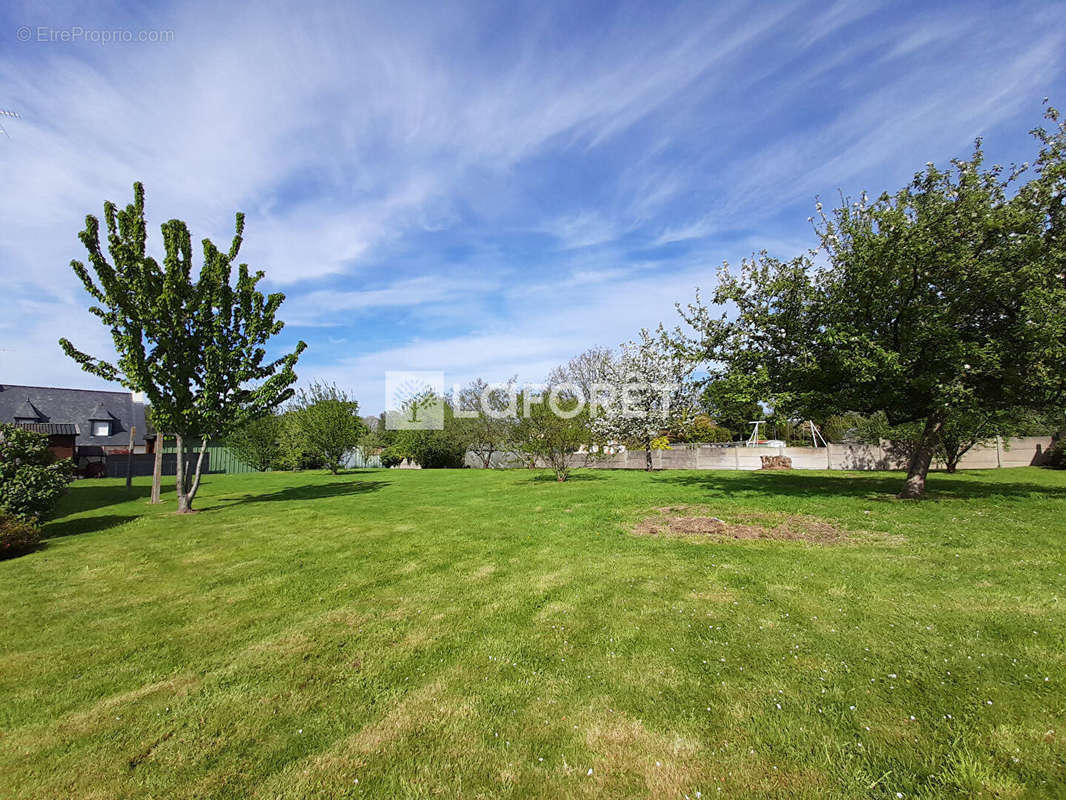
(27,412)
(101,422)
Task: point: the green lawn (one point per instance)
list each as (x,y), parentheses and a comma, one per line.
(496,634)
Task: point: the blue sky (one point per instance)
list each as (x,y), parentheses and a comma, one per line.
(484,188)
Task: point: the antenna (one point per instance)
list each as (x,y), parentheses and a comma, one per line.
(7,113)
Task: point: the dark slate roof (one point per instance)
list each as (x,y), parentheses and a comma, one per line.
(50,428)
(74,407)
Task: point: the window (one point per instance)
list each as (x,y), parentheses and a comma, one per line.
(101,429)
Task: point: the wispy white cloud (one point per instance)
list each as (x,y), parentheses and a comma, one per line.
(324,307)
(475,189)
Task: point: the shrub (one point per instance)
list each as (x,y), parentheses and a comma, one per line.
(559,442)
(391,456)
(17,536)
(328,421)
(31,480)
(431,449)
(701,428)
(1057,459)
(256,444)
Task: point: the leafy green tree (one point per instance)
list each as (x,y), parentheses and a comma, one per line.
(840,428)
(947,296)
(588,371)
(379,440)
(258,442)
(31,480)
(329,422)
(560,441)
(1057,456)
(701,428)
(483,419)
(960,433)
(732,401)
(293,451)
(195,347)
(432,448)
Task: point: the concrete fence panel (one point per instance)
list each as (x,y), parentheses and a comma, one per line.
(1018,452)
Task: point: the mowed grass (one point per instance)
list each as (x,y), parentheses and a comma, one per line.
(496,634)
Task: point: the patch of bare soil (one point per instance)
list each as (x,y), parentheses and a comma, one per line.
(686,522)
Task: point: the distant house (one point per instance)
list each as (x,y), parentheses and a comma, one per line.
(82,424)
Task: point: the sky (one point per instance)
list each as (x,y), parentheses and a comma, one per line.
(485,188)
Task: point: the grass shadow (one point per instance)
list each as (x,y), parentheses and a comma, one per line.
(89,493)
(849,484)
(311,492)
(78,525)
(574,477)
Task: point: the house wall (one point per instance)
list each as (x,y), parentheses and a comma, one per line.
(61,446)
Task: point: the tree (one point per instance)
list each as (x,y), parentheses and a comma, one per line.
(960,433)
(732,401)
(430,448)
(588,371)
(964,429)
(484,419)
(195,347)
(557,433)
(292,443)
(329,422)
(651,394)
(31,480)
(947,295)
(257,443)
(701,428)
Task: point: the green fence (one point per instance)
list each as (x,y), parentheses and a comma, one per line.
(222,458)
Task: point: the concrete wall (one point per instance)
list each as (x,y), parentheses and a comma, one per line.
(1004,453)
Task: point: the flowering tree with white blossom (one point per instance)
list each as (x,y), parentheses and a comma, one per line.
(648,391)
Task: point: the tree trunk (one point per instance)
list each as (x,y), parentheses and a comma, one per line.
(187,491)
(157,469)
(129,458)
(196,478)
(914,486)
(647,455)
(179,474)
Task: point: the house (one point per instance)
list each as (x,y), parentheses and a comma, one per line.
(83,424)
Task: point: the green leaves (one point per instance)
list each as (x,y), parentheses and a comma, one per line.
(327,422)
(947,296)
(31,480)
(197,347)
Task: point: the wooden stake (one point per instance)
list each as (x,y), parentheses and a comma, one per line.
(129,458)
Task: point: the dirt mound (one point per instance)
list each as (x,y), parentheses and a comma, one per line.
(674,521)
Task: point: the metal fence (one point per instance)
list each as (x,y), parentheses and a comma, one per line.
(357,459)
(142,465)
(221,459)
